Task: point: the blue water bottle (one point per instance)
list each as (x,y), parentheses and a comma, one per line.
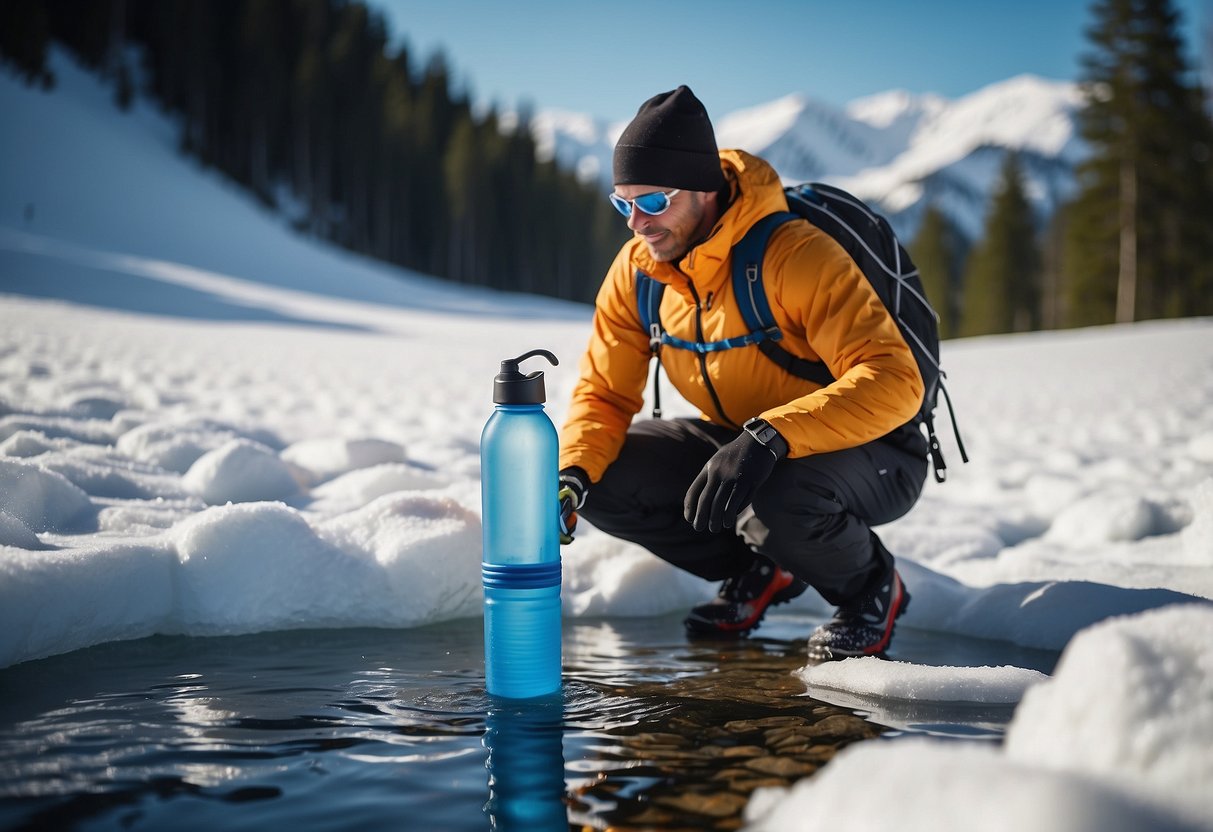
(521,562)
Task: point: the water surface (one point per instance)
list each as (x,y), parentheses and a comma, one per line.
(391,729)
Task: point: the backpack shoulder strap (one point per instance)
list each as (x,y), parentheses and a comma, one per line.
(648,304)
(751,296)
(747,274)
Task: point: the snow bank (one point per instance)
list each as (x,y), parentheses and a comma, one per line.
(1131,704)
(1039,614)
(920,785)
(1118,739)
(401,561)
(60,600)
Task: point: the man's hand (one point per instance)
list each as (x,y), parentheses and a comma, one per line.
(730,479)
(574,486)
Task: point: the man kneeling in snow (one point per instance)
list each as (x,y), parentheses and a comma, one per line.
(778,485)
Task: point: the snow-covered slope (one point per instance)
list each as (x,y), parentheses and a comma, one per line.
(899,150)
(115,185)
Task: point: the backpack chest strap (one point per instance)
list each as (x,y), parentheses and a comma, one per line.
(648,301)
(716,346)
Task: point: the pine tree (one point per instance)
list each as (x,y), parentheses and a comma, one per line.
(1053,274)
(1137,244)
(304,99)
(1002,281)
(264,63)
(24,34)
(938,252)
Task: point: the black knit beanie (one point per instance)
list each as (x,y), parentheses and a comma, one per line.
(669,143)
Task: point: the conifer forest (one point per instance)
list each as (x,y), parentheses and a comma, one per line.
(312,107)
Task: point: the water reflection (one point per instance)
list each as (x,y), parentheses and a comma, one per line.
(526,765)
(391,729)
(666,734)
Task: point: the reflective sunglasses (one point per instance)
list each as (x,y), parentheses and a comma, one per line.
(652,204)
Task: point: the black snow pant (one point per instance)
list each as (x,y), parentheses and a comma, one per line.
(813,516)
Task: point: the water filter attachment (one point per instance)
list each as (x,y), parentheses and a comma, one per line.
(512,387)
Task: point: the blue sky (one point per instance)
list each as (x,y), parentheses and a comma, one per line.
(605,58)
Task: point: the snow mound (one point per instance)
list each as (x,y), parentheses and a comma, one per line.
(1131,703)
(428,550)
(94,431)
(357,488)
(240,471)
(1103,518)
(102,474)
(324,459)
(606,576)
(926,777)
(15,533)
(1198,535)
(173,445)
(30,443)
(42,500)
(260,566)
(1201,446)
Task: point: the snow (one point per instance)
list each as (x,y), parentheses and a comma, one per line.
(919,785)
(209,425)
(880,679)
(1117,739)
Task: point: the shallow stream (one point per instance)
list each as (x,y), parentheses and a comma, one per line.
(391,729)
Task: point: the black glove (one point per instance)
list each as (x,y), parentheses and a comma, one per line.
(574,485)
(728,482)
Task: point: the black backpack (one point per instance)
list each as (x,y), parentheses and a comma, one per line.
(870,241)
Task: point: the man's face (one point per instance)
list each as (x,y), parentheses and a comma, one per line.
(671,234)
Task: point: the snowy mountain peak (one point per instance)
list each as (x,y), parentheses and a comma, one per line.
(898,149)
(885,109)
(1022,113)
(764,122)
(803,138)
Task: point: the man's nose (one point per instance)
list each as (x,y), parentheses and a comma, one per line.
(638,219)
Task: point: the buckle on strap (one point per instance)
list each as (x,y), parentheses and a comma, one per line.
(655,337)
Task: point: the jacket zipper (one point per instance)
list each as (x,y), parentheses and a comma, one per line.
(703,358)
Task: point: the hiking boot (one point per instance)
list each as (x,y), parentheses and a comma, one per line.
(863,627)
(742,601)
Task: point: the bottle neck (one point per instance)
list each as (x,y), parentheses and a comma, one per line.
(515,408)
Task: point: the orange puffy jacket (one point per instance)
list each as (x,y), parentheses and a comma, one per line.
(821,301)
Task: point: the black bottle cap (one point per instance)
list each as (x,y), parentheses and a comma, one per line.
(512,387)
